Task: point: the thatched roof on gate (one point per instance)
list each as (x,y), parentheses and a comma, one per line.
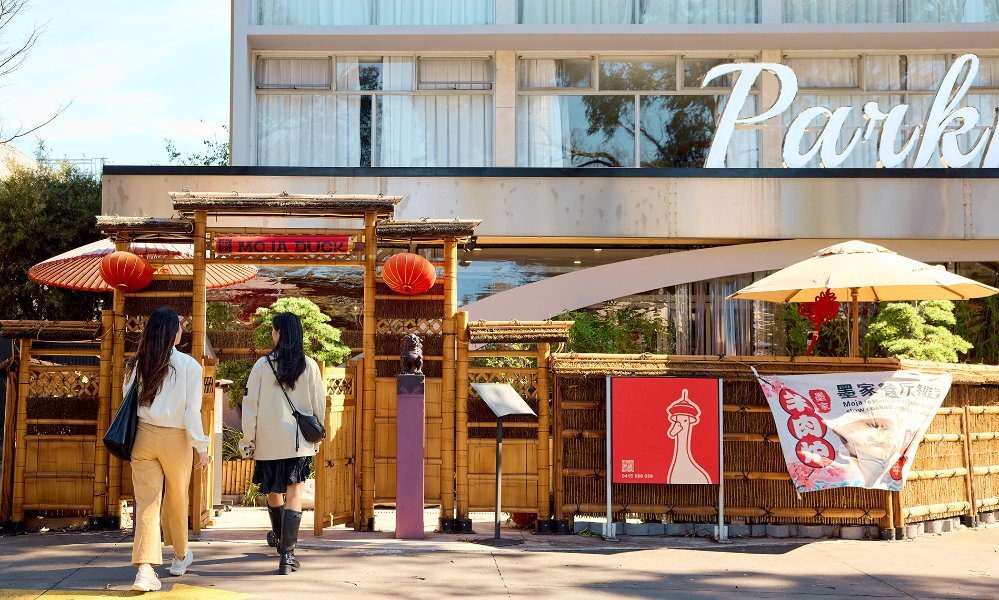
(519,332)
(111,225)
(739,367)
(51,331)
(427,229)
(285,204)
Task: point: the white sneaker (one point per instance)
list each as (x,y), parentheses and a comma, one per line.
(146,581)
(179,565)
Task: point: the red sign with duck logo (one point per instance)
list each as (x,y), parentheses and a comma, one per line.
(665,430)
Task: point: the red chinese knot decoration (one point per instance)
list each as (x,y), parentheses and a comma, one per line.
(823,310)
(126,271)
(409,274)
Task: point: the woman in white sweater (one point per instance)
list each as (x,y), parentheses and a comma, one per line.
(270,431)
(170,388)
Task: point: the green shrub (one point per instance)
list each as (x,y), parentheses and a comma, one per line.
(238,372)
(614,329)
(322,341)
(918,331)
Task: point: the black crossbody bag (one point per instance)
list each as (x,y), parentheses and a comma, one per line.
(310,426)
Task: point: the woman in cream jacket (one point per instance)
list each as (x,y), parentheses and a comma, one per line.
(270,431)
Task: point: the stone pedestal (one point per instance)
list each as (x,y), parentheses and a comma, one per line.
(409,450)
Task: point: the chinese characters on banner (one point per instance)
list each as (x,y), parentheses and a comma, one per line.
(665,430)
(853,429)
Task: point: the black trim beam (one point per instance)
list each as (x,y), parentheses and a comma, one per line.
(530,172)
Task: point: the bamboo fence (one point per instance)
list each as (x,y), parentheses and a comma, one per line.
(236,476)
(955,473)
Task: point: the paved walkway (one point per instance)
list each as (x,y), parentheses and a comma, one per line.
(232,562)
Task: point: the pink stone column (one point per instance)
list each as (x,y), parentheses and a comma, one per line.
(410,420)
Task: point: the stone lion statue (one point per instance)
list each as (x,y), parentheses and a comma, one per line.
(411,355)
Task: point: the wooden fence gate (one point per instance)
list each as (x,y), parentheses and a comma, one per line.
(338,480)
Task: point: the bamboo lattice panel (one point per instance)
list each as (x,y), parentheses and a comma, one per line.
(385,435)
(337,454)
(520,474)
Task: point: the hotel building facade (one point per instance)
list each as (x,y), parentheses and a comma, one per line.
(583,134)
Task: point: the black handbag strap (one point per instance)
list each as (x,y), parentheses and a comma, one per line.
(294,411)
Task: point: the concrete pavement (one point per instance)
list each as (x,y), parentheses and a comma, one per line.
(231,561)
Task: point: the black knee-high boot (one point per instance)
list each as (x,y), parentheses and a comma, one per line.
(276,514)
(289,538)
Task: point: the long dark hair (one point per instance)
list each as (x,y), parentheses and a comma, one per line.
(152,358)
(289,353)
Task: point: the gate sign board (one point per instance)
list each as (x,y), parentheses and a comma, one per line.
(282,244)
(665,430)
(852,429)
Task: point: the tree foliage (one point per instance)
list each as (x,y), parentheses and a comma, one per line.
(978,322)
(215,153)
(322,341)
(920,331)
(834,337)
(45,212)
(12,57)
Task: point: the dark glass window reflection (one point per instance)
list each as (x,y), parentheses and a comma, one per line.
(677,130)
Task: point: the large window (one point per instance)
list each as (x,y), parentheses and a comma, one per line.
(624,112)
(619,12)
(891,11)
(350,111)
(373,12)
(890,80)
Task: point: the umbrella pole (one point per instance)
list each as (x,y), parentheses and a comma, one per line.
(854,324)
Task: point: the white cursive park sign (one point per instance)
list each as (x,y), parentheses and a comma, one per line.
(945,121)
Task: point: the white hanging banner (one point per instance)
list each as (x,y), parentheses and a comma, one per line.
(853,429)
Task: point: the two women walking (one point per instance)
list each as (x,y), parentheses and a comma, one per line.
(280,386)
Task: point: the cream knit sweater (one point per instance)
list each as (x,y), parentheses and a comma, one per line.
(268,424)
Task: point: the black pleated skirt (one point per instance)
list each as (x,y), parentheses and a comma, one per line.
(274,476)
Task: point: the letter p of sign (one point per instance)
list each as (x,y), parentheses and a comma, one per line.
(748,74)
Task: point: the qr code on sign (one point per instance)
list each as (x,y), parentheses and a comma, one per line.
(627,466)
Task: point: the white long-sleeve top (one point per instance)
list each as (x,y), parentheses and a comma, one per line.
(178,403)
(269,426)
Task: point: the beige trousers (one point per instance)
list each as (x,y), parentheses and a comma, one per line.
(161,475)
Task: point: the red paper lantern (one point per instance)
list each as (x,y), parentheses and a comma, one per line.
(409,274)
(126,271)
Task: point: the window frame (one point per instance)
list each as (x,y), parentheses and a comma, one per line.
(679,89)
(333,90)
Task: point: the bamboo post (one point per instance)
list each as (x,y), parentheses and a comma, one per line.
(20,451)
(854,324)
(557,463)
(359,394)
(101,453)
(544,432)
(320,510)
(7,459)
(198,326)
(969,462)
(368,336)
(117,382)
(461,416)
(447,468)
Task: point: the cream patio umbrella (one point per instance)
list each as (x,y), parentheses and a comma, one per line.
(862,272)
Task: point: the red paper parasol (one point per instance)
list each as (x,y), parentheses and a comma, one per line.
(79,269)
